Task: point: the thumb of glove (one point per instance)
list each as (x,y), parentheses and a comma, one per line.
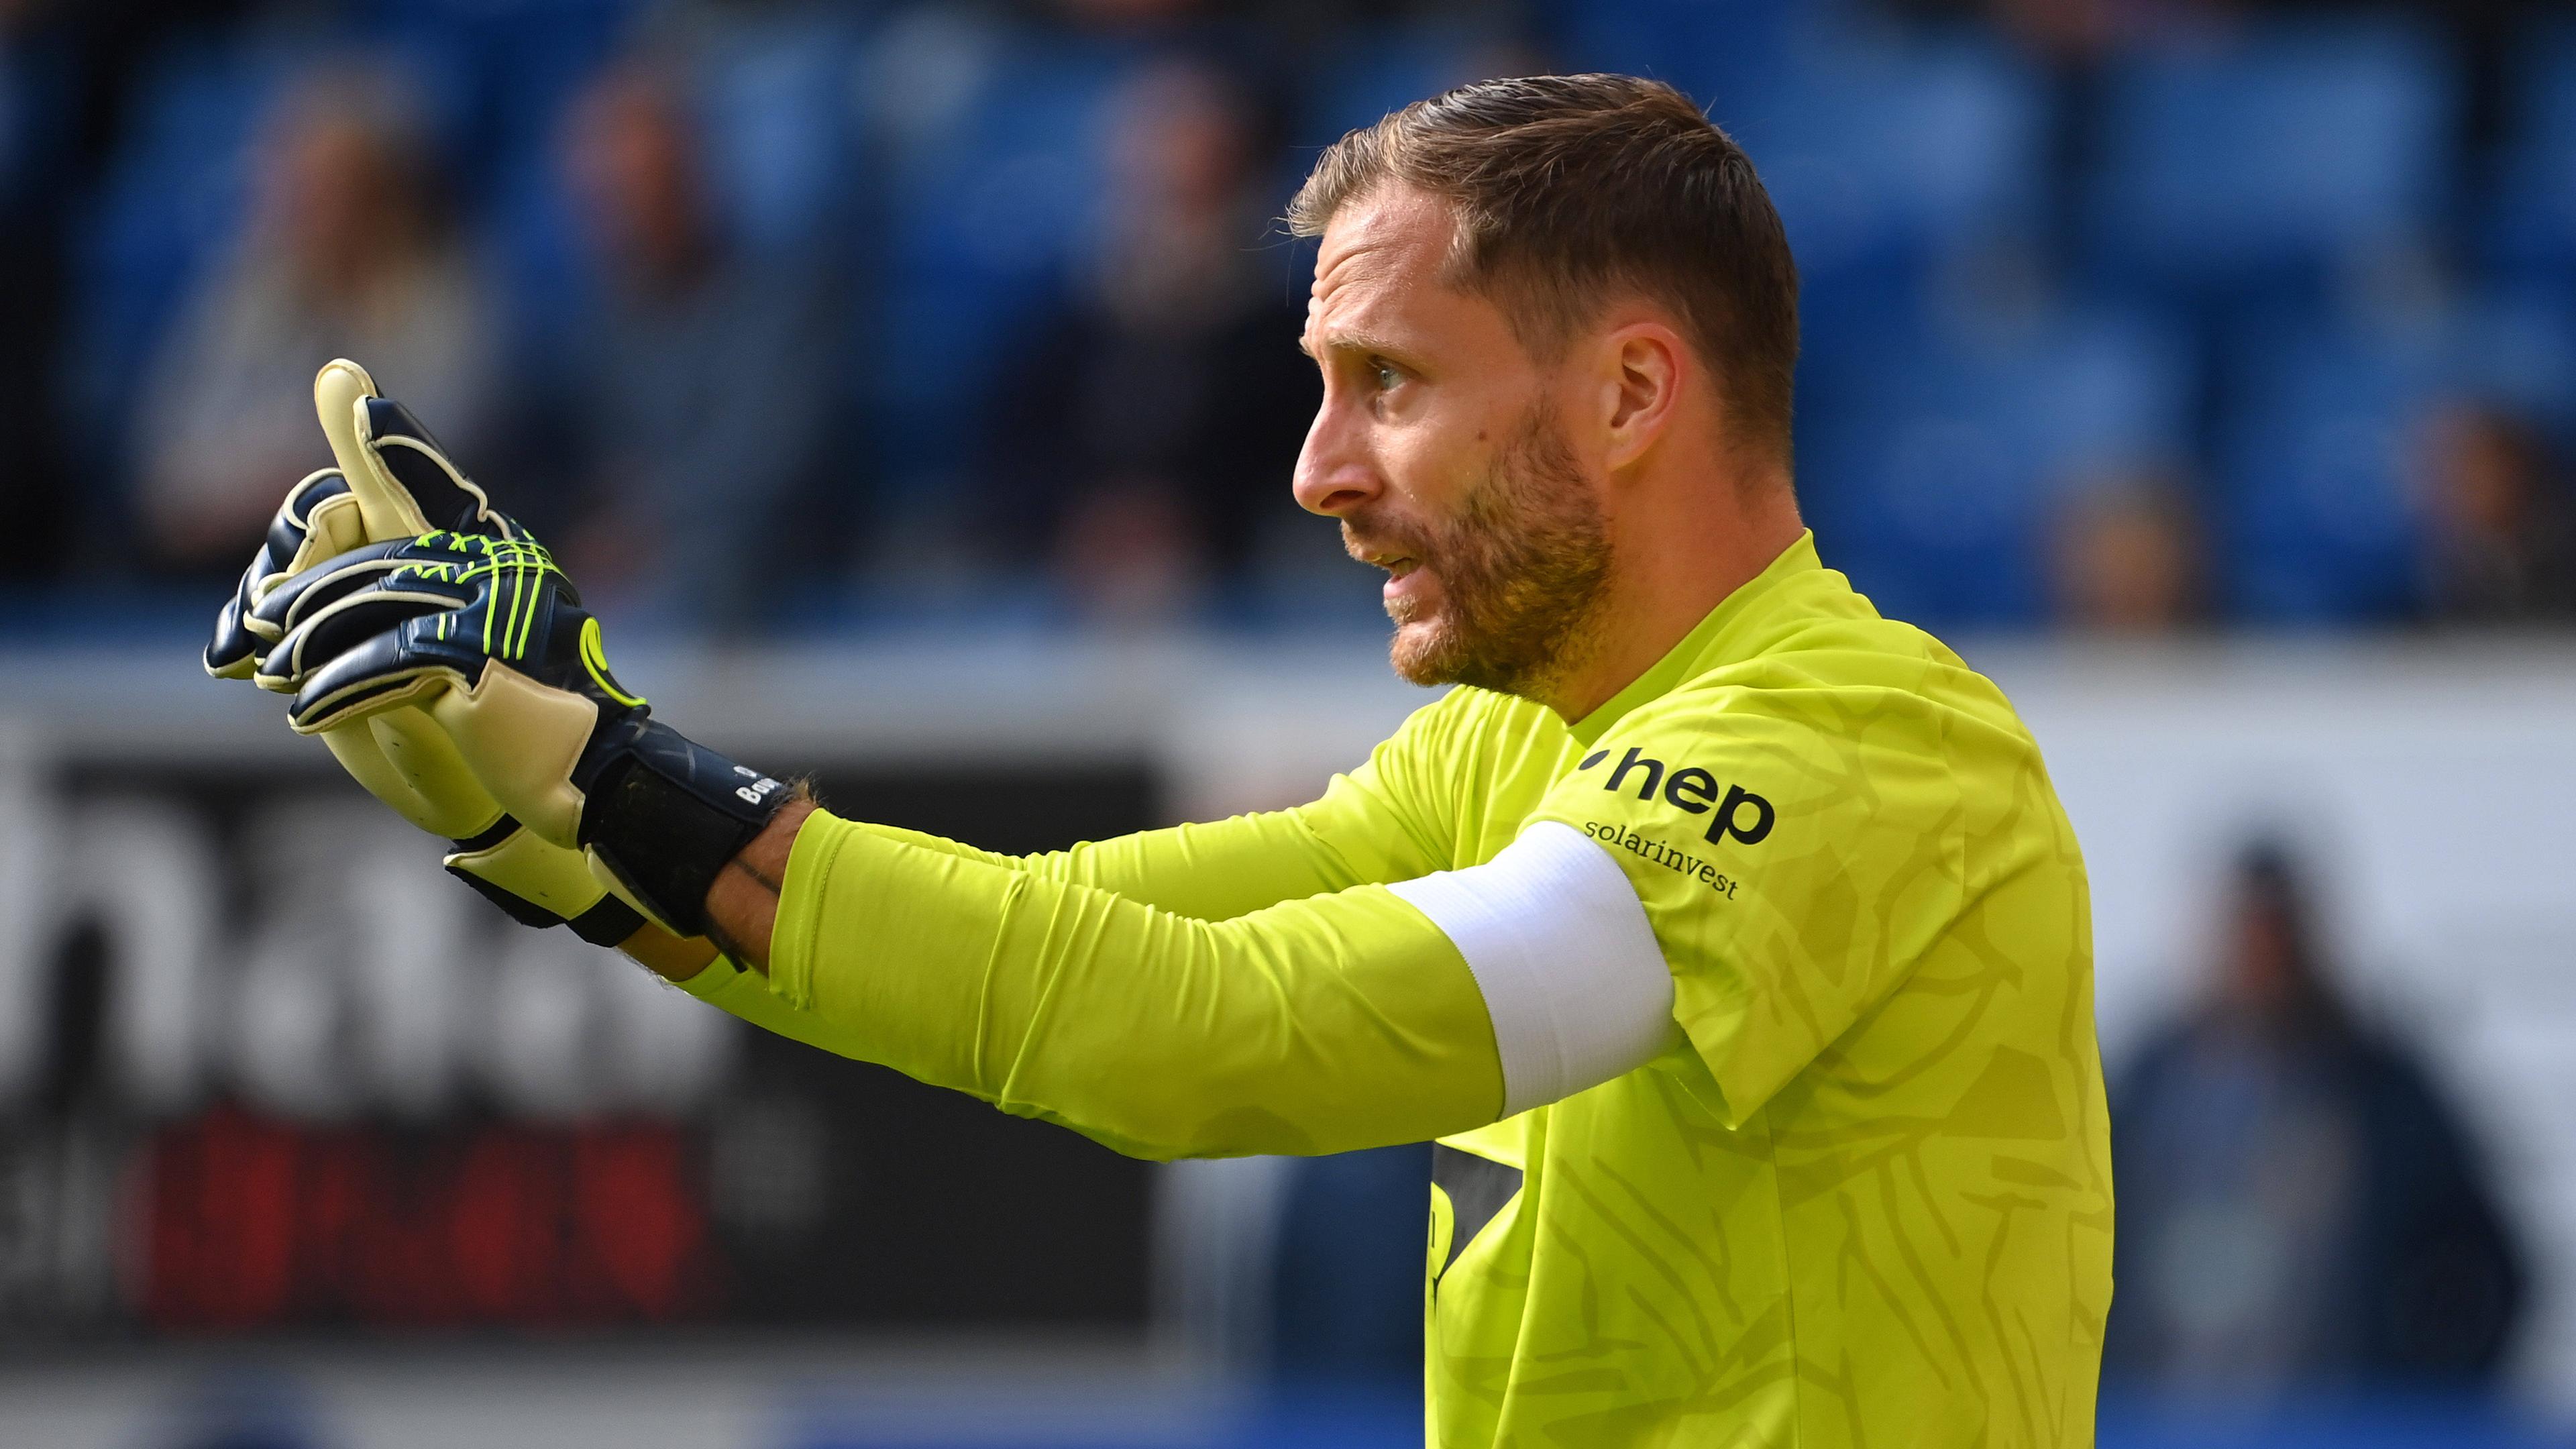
(341,391)
(404,482)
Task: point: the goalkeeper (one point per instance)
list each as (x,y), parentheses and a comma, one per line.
(1728,937)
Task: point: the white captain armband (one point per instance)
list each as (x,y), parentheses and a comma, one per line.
(1560,947)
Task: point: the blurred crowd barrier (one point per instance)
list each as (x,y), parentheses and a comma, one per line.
(268,1071)
(2132,317)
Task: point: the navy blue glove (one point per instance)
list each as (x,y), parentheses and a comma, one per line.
(389,468)
(489,638)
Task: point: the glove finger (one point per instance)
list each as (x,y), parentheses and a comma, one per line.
(438,568)
(318,501)
(229,653)
(306,503)
(357,615)
(412,457)
(291,601)
(376,675)
(421,755)
(441,806)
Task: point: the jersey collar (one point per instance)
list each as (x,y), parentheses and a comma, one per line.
(1710,642)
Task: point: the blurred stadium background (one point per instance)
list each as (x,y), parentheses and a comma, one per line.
(2206,371)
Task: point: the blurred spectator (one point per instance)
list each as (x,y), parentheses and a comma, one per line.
(695,394)
(2501,548)
(2126,557)
(348,253)
(2299,1207)
(1153,422)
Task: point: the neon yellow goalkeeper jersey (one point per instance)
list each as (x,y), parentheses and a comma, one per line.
(1862,1198)
(1867,1199)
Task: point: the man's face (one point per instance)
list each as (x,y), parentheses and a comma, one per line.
(1441,448)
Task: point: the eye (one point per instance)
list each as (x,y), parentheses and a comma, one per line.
(1384,373)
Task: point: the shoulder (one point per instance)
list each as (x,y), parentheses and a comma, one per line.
(1467,717)
(1846,731)
(1836,687)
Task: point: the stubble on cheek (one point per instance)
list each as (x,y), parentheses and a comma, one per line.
(1520,574)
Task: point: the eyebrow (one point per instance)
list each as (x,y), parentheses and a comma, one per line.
(1346,341)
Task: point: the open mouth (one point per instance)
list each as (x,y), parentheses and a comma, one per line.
(1406,587)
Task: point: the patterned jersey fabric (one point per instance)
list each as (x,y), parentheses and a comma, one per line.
(1865,1197)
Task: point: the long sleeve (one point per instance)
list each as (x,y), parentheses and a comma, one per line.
(1382,822)
(1389,820)
(1313,1025)
(1214,872)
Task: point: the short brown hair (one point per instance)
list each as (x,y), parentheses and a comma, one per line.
(1568,188)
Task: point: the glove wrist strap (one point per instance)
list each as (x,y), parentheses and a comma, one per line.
(667,814)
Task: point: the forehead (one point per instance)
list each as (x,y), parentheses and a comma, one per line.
(1383,252)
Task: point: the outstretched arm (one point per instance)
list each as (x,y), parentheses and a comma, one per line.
(1214,871)
(1347,1020)
(1377,823)
(1370,1015)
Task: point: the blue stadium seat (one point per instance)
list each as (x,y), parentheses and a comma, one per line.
(1385,70)
(1932,466)
(2316,518)
(1870,141)
(991,169)
(2313,518)
(1713,49)
(2530,213)
(500,73)
(1891,163)
(2281,150)
(776,102)
(1889,154)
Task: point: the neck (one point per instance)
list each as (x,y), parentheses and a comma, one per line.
(1677,559)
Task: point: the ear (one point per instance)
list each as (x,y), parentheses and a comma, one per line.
(1644,368)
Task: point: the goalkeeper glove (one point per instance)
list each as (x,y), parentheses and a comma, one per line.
(400,756)
(490,638)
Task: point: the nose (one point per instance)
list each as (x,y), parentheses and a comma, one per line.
(1336,476)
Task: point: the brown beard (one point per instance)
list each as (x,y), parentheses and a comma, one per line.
(1523,568)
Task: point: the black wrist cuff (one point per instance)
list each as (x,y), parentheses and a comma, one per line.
(667,815)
